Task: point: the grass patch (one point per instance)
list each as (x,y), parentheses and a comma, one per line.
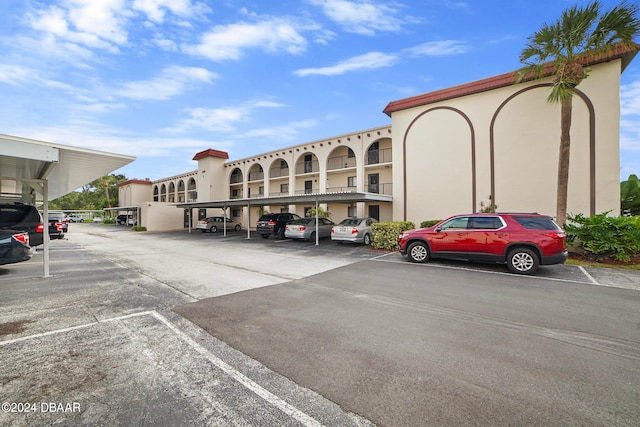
(620,266)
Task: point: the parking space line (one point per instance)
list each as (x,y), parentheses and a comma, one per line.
(249,384)
(556,279)
(590,277)
(242,379)
(73,328)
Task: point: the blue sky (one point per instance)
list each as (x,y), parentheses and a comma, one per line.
(164,79)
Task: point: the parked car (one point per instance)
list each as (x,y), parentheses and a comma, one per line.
(14,246)
(18,216)
(76,218)
(56,227)
(274,223)
(522,241)
(305,228)
(97,219)
(356,230)
(126,220)
(60,218)
(214,223)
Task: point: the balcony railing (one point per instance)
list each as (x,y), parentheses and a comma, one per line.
(307,167)
(256,176)
(341,162)
(385,188)
(308,191)
(341,189)
(235,179)
(278,172)
(237,195)
(379,156)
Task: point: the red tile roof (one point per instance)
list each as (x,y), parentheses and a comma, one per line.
(211,153)
(495,82)
(134,181)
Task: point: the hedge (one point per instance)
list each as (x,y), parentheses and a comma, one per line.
(602,235)
(385,234)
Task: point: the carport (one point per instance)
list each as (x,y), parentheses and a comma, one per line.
(298,199)
(29,168)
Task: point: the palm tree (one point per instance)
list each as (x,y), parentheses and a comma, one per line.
(560,49)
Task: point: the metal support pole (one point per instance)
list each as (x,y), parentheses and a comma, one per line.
(45,223)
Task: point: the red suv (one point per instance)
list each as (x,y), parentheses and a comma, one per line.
(521,240)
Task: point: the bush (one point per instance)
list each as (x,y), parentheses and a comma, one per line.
(108,220)
(429,223)
(385,234)
(613,237)
(139,228)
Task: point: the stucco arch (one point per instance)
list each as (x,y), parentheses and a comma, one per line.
(465,140)
(303,165)
(236,176)
(552,147)
(342,156)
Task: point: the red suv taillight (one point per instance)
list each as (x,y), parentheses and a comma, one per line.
(354,230)
(271,223)
(40,228)
(22,238)
(58,226)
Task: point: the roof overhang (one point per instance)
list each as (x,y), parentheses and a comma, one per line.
(65,168)
(299,199)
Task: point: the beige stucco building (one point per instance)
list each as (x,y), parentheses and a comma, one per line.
(451,151)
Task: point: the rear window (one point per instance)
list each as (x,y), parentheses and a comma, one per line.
(10,215)
(350,221)
(536,223)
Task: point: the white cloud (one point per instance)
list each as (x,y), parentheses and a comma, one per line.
(95,24)
(14,75)
(171,81)
(368,61)
(361,16)
(219,119)
(437,48)
(228,42)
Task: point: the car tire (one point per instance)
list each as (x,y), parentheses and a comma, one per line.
(522,261)
(366,239)
(213,229)
(237,227)
(418,252)
(312,237)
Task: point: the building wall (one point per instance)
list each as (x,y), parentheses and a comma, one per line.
(158,216)
(511,136)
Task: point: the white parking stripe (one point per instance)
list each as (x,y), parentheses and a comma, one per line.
(590,277)
(242,379)
(251,385)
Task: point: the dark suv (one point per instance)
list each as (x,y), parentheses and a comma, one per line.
(274,224)
(522,241)
(18,216)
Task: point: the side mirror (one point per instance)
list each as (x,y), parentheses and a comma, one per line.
(438,229)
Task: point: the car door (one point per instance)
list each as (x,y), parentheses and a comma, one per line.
(451,236)
(484,236)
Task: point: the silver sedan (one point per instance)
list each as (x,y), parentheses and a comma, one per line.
(356,230)
(305,228)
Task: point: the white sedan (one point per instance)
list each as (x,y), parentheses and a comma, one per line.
(214,223)
(305,228)
(356,230)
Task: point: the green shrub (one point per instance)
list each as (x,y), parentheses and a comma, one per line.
(108,220)
(613,237)
(139,228)
(429,223)
(385,234)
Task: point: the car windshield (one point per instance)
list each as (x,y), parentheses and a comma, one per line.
(537,223)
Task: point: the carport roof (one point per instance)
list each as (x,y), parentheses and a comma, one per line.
(65,168)
(341,197)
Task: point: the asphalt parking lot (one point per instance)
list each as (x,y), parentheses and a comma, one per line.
(201,329)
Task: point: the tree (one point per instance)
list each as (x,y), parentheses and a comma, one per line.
(630,196)
(563,47)
(99,194)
